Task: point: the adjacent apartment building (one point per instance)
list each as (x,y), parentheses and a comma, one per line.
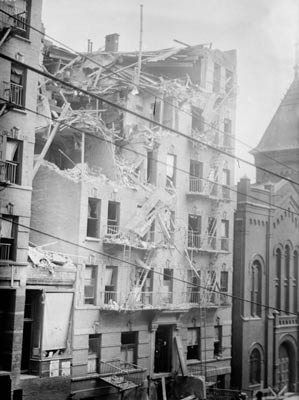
(144,213)
(266,243)
(17,133)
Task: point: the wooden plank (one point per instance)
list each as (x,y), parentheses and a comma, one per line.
(179,347)
(163,388)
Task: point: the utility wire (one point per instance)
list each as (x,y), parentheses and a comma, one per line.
(63,124)
(112,257)
(149,120)
(147,91)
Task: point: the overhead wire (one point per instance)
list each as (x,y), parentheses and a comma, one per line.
(154,94)
(102,139)
(130,263)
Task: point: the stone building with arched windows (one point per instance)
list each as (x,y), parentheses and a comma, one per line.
(266,248)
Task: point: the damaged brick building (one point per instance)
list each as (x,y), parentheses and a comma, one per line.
(145,214)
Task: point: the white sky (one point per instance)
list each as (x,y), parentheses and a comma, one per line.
(262,31)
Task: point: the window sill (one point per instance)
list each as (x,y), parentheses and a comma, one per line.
(24,39)
(19,110)
(92,239)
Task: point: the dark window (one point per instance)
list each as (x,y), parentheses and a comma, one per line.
(171,170)
(216,77)
(129,346)
(8,235)
(90,278)
(194,231)
(198,122)
(110,284)
(193,344)
(218,341)
(163,348)
(226,184)
(93,220)
(151,171)
(10,160)
(195,177)
(255,367)
(224,281)
(256,289)
(212,232)
(94,352)
(113,217)
(224,234)
(17,85)
(287,278)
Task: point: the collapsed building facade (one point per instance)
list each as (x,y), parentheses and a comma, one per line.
(145,214)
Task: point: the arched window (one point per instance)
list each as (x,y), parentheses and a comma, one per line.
(256,289)
(287,279)
(278,279)
(255,367)
(295,294)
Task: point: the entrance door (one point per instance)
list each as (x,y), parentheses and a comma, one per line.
(163,348)
(286,366)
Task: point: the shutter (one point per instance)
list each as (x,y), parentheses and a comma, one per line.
(3,139)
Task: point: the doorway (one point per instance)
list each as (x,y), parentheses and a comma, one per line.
(163,348)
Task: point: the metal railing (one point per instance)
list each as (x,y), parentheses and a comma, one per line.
(195,185)
(110,296)
(5,251)
(118,368)
(112,229)
(11,171)
(16,94)
(14,17)
(194,240)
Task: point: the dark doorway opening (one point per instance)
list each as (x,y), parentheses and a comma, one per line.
(163,348)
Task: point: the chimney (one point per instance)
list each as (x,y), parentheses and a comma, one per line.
(111,42)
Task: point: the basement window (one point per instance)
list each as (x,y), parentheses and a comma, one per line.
(93,220)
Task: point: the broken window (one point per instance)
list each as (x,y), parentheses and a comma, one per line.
(90,280)
(167,285)
(212,232)
(110,284)
(216,77)
(113,217)
(193,344)
(224,287)
(157,107)
(225,234)
(8,234)
(129,347)
(17,85)
(198,122)
(94,353)
(218,341)
(195,176)
(93,220)
(170,170)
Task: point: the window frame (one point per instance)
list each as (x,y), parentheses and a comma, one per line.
(93,222)
(90,300)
